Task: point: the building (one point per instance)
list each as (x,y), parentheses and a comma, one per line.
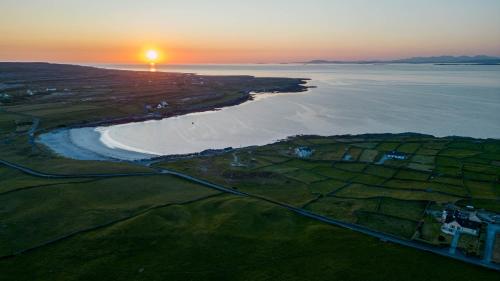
(396,155)
(303,152)
(162,104)
(460,221)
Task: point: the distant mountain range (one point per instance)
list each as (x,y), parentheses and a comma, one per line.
(478,60)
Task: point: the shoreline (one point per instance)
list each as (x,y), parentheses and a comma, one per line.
(85,144)
(85,141)
(88,147)
(352,114)
(246,96)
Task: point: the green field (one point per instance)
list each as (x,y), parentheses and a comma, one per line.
(227,238)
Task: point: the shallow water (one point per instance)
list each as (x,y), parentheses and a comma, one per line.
(349,99)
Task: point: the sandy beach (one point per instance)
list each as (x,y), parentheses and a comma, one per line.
(87,144)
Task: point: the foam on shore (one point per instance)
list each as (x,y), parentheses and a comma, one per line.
(87,144)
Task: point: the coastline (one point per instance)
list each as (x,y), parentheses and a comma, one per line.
(248,95)
(379,104)
(85,144)
(92,142)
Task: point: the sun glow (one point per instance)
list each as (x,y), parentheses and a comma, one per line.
(152,55)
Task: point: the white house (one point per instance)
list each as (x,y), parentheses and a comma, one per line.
(463,222)
(396,155)
(162,104)
(303,152)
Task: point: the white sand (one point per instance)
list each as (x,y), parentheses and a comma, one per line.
(86,144)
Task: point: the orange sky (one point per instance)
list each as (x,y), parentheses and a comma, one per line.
(224,31)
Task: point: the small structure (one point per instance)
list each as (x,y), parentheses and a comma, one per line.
(162,104)
(303,152)
(460,221)
(396,155)
(347,157)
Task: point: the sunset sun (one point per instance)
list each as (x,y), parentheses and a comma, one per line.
(152,55)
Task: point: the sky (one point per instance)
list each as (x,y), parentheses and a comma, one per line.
(234,31)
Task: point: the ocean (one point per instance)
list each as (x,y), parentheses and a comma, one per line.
(440,100)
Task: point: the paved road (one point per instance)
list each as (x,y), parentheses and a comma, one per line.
(382,236)
(202,182)
(491,232)
(32,172)
(454,242)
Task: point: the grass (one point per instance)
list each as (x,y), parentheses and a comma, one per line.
(393,225)
(420,167)
(406,209)
(11,180)
(204,241)
(428,187)
(481,190)
(469,245)
(412,175)
(380,171)
(305,176)
(43,214)
(368,179)
(448,180)
(343,209)
(361,191)
(368,155)
(279,168)
(479,176)
(369,145)
(427,152)
(303,164)
(333,173)
(423,159)
(431,230)
(326,186)
(387,146)
(488,204)
(496,249)
(409,148)
(458,153)
(332,152)
(481,168)
(352,167)
(355,152)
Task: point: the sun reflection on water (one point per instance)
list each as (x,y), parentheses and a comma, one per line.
(152,67)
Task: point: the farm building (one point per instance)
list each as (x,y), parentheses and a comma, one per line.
(303,152)
(396,155)
(460,221)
